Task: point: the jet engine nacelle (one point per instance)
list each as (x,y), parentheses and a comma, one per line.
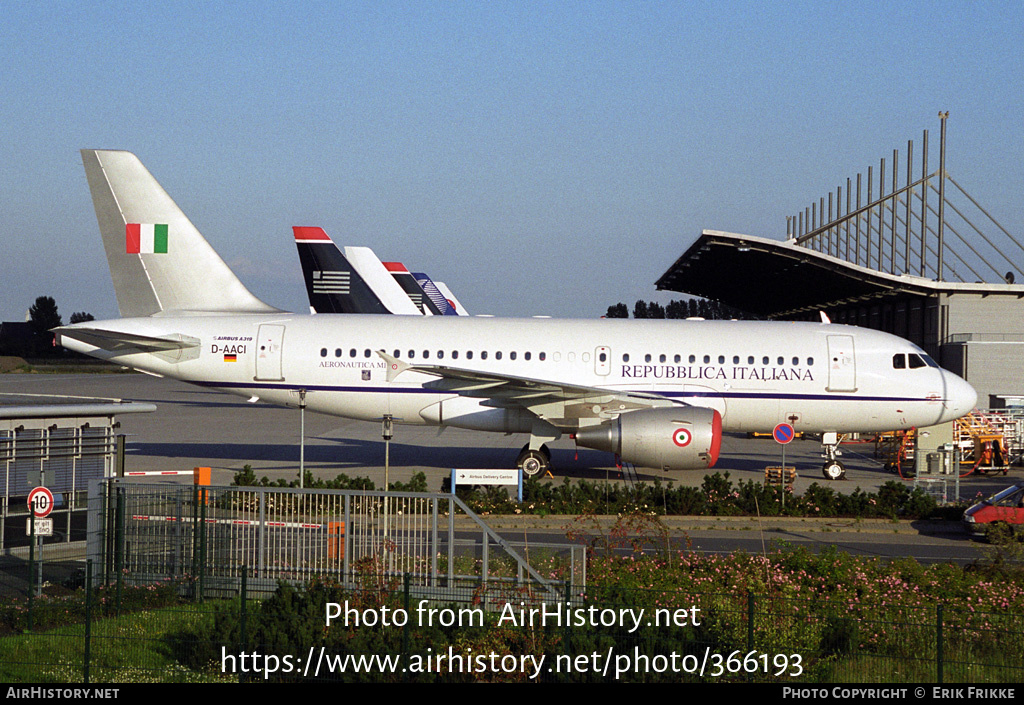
(677,438)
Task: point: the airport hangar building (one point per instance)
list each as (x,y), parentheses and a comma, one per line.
(913,254)
(973,329)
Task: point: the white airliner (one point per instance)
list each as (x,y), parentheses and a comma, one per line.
(657,393)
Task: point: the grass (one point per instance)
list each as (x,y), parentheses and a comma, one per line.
(127,649)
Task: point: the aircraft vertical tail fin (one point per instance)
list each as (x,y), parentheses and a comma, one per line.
(158,260)
(454,302)
(444,306)
(412,288)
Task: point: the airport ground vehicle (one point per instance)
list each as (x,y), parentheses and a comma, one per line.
(1004,507)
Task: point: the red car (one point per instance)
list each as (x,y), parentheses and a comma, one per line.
(1005,506)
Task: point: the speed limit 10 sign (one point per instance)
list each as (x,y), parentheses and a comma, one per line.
(40,501)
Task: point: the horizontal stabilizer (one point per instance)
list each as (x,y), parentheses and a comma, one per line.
(118,342)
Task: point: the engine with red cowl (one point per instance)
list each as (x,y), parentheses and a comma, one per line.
(669,438)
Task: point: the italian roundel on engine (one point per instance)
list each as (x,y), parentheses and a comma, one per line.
(669,438)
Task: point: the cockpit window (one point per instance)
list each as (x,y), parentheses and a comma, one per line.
(899,361)
(916,361)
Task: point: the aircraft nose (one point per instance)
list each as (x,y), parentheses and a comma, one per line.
(961,397)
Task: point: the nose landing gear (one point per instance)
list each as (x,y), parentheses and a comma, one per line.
(833,469)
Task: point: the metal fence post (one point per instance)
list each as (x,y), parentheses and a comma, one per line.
(243,613)
(31,562)
(750,621)
(938,642)
(202,543)
(407,583)
(88,620)
(119,546)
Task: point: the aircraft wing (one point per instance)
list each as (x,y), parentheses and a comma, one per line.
(563,405)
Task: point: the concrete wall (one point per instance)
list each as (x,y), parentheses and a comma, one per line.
(992,367)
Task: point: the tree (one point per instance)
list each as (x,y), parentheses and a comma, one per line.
(619,310)
(677,309)
(43,316)
(640,309)
(655,310)
(82,317)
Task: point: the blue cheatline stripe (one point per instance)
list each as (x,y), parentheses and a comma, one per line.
(666,395)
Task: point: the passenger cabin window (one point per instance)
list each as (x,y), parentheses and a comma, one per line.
(455,354)
(352,352)
(412,354)
(707,359)
(735,359)
(647,357)
(483,355)
(497,355)
(543,356)
(323,352)
(469,354)
(810,361)
(527,355)
(512,355)
(440,354)
(625,357)
(750,359)
(721,359)
(677,359)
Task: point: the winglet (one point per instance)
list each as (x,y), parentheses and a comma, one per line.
(395,366)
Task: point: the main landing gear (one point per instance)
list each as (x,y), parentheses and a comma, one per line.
(833,469)
(534,462)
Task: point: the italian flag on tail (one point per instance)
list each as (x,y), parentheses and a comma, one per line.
(145,238)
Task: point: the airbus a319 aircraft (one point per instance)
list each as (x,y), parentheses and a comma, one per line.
(657,393)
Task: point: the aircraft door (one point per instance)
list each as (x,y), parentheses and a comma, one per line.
(842,364)
(269,344)
(603,360)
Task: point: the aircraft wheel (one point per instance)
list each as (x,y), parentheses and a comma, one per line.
(533,462)
(833,470)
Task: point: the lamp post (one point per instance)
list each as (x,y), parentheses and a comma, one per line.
(302,438)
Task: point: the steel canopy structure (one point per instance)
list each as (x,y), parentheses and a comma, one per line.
(784,280)
(898,252)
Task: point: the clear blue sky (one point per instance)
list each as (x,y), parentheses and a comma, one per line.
(540,158)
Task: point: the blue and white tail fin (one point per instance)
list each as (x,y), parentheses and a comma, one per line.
(158,260)
(430,290)
(352,280)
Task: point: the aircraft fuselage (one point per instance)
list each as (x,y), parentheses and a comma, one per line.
(819,377)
